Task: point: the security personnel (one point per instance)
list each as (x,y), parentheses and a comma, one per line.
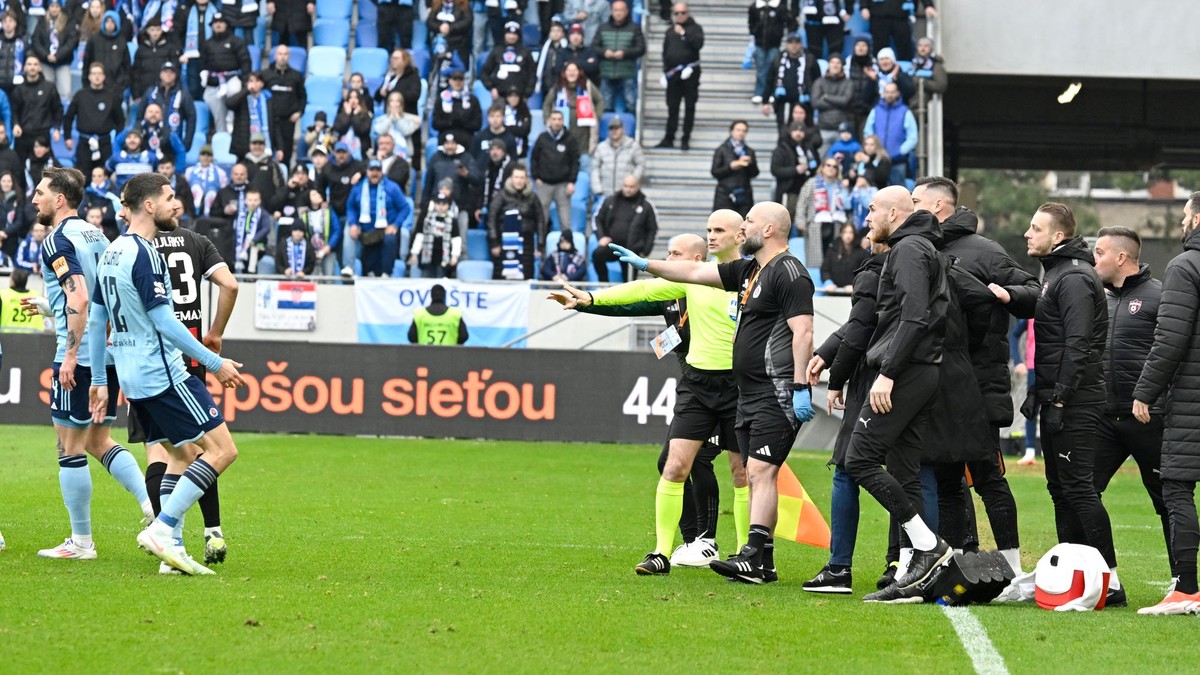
(12,318)
(437,324)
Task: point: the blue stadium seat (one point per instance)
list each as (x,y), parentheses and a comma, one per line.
(536,126)
(372,63)
(368,11)
(628,118)
(325,92)
(796,247)
(366,38)
(335,9)
(298,58)
(221,154)
(477,245)
(474,270)
(260,31)
(531,35)
(328,62)
(193,153)
(535,100)
(331,33)
(815,273)
(576,237)
(255,57)
(421,102)
(485,97)
(61,153)
(906,67)
(420,57)
(824,65)
(203,119)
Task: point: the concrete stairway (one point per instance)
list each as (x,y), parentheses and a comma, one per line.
(680,183)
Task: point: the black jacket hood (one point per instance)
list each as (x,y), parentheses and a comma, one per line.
(1077,249)
(919,224)
(960,223)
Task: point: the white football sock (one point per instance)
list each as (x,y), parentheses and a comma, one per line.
(922,538)
(906,555)
(1113,582)
(1013,557)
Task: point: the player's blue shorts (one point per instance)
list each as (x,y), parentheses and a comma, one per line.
(181,414)
(71,408)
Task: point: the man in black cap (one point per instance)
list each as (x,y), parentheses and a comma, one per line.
(287,102)
(154,48)
(35,108)
(509,65)
(224,62)
(337,179)
(457,110)
(176,102)
(793,74)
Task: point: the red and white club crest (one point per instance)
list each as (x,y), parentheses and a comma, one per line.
(1135,305)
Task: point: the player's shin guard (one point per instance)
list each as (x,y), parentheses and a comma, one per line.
(741,514)
(668,505)
(75,481)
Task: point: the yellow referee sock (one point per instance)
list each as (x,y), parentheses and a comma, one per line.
(741,515)
(668,506)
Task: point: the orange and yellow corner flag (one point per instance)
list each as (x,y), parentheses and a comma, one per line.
(799,519)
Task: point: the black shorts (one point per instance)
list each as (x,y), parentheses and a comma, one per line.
(706,407)
(72,408)
(766,425)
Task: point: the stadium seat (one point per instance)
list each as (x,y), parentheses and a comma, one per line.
(477,245)
(260,31)
(327,62)
(796,247)
(815,273)
(531,35)
(628,118)
(906,67)
(421,102)
(535,100)
(372,63)
(420,33)
(331,33)
(368,11)
(193,153)
(61,153)
(335,9)
(221,154)
(420,57)
(298,58)
(536,126)
(485,97)
(310,113)
(325,92)
(824,65)
(203,119)
(366,39)
(255,57)
(576,237)
(474,270)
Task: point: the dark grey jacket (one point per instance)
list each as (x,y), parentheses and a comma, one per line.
(1132,313)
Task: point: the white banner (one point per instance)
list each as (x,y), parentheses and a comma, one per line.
(494,313)
(285,305)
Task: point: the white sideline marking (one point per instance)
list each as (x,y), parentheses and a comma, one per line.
(975,640)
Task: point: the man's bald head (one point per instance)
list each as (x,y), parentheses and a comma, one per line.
(767,226)
(776,215)
(726,217)
(687,247)
(897,197)
(889,208)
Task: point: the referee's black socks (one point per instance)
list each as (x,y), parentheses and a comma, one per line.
(760,538)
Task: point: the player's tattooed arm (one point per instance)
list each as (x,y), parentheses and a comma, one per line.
(70,284)
(72,338)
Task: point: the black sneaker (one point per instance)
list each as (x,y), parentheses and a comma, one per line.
(923,563)
(770,576)
(653,563)
(685,145)
(894,595)
(666,143)
(1115,598)
(829,580)
(741,567)
(888,577)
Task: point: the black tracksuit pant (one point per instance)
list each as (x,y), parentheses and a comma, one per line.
(1120,437)
(283,137)
(1070,455)
(685,91)
(394,23)
(1180,497)
(887,29)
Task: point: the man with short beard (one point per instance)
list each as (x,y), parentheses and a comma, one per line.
(36,108)
(134,291)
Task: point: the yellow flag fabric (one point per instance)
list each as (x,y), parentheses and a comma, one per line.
(799,519)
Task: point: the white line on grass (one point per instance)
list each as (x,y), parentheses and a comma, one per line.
(975,640)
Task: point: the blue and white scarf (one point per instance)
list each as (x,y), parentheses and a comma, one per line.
(174,117)
(380,218)
(296,252)
(248,226)
(205,182)
(258,116)
(191,42)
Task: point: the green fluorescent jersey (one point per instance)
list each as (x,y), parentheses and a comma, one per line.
(712,313)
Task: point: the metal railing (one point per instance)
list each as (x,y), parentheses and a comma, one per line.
(640,108)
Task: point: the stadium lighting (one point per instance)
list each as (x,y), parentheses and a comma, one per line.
(1070,93)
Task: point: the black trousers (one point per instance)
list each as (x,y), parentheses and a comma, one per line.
(701,494)
(83,153)
(604,255)
(888,29)
(1117,439)
(1180,497)
(987,477)
(546,12)
(283,137)
(820,33)
(723,200)
(687,91)
(394,24)
(1070,454)
(900,431)
(24,144)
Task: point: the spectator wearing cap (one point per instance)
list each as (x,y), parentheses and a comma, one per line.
(551,55)
(54,41)
(452,22)
(288,98)
(395,164)
(193,23)
(175,101)
(682,43)
(496,167)
(154,48)
(793,163)
(353,123)
(832,97)
(319,136)
(296,253)
(620,44)
(36,109)
(769,20)
(131,159)
(581,105)
(889,72)
(396,123)
(565,263)
(896,127)
(589,14)
(825,25)
(554,167)
(156,135)
(451,167)
(375,212)
(617,157)
(495,130)
(844,147)
(109,48)
(795,70)
(437,242)
(266,175)
(394,24)
(501,14)
(457,110)
(224,63)
(516,209)
(518,120)
(579,53)
(735,165)
(170,168)
(338,177)
(928,70)
(509,65)
(206,180)
(891,23)
(292,21)
(95,112)
(626,218)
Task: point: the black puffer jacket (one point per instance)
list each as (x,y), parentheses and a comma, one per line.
(1174,364)
(913,298)
(1071,327)
(988,262)
(1132,312)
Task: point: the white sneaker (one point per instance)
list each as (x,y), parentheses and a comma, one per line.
(1029,458)
(164,568)
(756,99)
(196,568)
(1175,603)
(347,271)
(699,553)
(1,541)
(163,545)
(69,550)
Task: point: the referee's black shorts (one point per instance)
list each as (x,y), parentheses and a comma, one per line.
(706,407)
(766,425)
(137,433)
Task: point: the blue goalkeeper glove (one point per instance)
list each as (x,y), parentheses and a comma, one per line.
(627,256)
(802,404)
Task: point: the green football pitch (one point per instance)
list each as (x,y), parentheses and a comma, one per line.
(381,555)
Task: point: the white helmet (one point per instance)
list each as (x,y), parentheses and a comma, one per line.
(1071,577)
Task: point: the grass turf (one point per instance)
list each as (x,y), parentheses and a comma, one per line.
(353,555)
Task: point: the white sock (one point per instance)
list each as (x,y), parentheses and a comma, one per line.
(82,540)
(906,555)
(1013,557)
(1113,582)
(922,538)
(148,509)
(210,531)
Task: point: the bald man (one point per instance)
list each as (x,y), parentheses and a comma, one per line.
(907,349)
(773,343)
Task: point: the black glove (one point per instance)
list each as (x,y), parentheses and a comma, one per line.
(1052,418)
(1029,407)
(213,81)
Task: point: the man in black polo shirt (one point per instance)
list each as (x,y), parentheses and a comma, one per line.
(774,332)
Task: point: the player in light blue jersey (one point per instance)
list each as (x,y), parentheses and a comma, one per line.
(133,294)
(69,257)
